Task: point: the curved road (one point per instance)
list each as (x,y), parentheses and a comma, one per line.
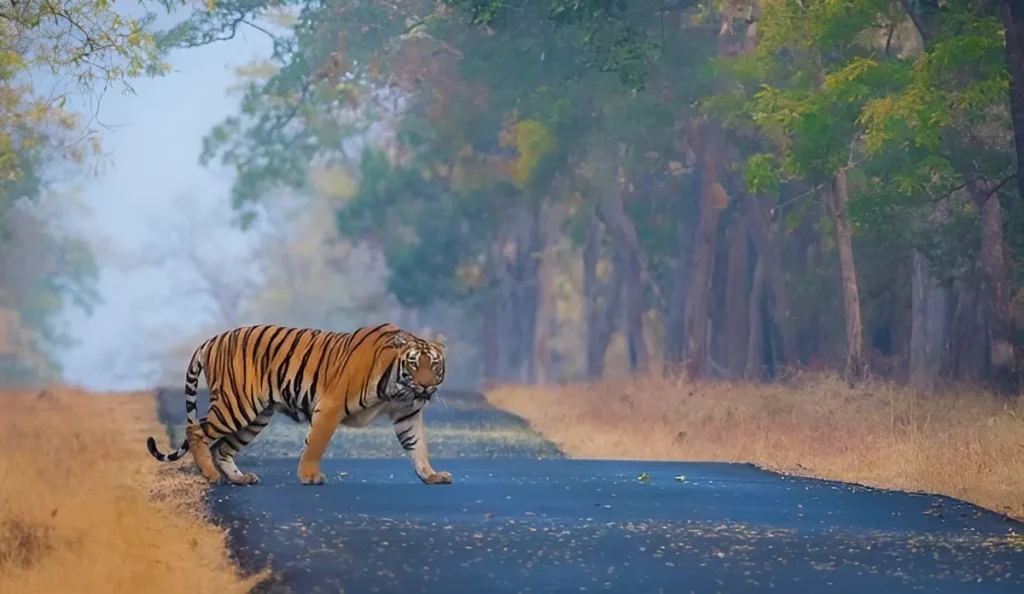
(520,518)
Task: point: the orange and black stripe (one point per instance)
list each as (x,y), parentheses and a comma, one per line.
(254,371)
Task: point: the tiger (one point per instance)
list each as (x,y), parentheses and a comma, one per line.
(312,376)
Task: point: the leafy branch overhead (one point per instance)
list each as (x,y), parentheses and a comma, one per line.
(51,53)
(828,90)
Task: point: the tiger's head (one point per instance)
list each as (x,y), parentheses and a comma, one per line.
(420,364)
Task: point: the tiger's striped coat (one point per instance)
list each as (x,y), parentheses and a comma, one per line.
(315,376)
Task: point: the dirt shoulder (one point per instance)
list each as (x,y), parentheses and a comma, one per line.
(83,507)
(965,444)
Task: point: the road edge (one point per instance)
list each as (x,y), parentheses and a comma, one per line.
(170,409)
(1014,524)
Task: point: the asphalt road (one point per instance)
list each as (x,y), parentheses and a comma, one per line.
(519,518)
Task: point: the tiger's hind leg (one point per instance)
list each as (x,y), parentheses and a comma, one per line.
(219,422)
(196,435)
(227,448)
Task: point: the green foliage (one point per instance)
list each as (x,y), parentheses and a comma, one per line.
(822,94)
(45,270)
(70,281)
(534,142)
(818,30)
(761,176)
(614,42)
(320,95)
(426,231)
(961,76)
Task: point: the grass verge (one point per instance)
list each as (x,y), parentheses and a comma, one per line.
(84,508)
(962,443)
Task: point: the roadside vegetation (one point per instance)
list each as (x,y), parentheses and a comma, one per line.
(960,442)
(84,508)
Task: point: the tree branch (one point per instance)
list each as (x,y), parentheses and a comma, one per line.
(918,23)
(991,191)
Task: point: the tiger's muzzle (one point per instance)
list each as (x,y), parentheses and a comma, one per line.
(424,393)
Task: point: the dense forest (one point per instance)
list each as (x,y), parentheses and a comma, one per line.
(733,188)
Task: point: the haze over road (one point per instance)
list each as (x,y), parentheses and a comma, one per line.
(519,518)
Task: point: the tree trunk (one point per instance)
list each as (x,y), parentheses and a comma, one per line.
(551,218)
(768,253)
(968,345)
(633,311)
(518,272)
(529,294)
(736,298)
(631,270)
(919,376)
(713,199)
(505,310)
(755,338)
(491,336)
(718,312)
(675,322)
(541,328)
(602,301)
(675,326)
(928,334)
(591,300)
(1012,12)
(855,366)
(997,289)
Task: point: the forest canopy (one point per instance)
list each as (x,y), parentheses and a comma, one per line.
(730,188)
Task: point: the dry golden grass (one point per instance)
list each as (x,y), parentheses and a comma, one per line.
(83,507)
(965,444)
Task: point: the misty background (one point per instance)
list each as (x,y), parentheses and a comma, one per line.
(149,187)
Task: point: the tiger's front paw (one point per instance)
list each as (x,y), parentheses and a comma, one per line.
(318,479)
(248,478)
(311,476)
(437,478)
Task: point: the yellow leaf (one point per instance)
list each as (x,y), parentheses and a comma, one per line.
(534,142)
(333,182)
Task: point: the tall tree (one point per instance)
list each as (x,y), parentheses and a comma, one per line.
(1012,14)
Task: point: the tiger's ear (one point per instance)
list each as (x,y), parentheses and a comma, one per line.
(440,340)
(400,339)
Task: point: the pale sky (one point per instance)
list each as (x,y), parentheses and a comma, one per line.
(154,151)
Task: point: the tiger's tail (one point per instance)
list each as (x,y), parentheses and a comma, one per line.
(195,367)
